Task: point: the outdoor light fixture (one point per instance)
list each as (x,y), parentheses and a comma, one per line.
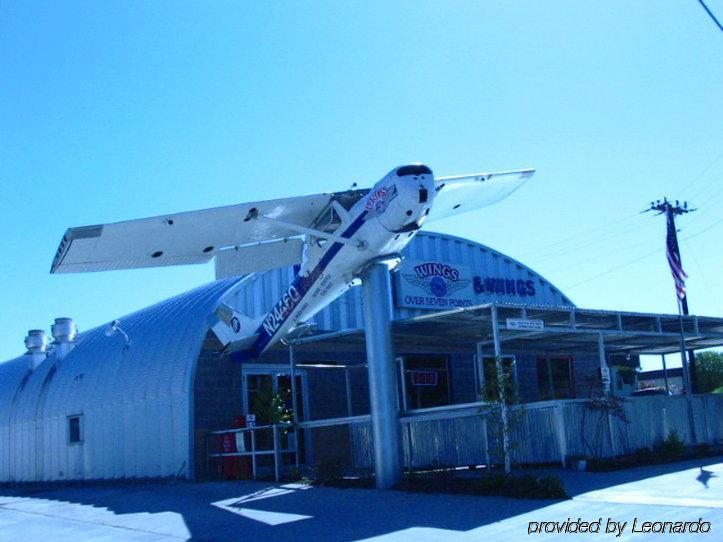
(114,328)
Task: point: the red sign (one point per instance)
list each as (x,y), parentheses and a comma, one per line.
(228,443)
(424,378)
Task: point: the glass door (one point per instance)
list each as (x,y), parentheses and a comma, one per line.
(268,397)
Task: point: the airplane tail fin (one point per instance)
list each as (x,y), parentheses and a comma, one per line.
(236,331)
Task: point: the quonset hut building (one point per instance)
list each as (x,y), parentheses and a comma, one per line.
(138,398)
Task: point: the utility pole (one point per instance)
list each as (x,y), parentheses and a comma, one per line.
(687,357)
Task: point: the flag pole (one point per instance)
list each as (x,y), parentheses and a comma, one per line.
(672,252)
(686,375)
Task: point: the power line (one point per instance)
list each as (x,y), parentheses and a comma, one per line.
(705,187)
(551,250)
(646,255)
(704,230)
(709,203)
(703,278)
(710,14)
(702,173)
(582,241)
(618,250)
(545,249)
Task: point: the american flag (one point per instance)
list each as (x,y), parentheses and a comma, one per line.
(676,268)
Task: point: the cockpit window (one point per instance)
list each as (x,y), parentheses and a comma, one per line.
(417,169)
(328,221)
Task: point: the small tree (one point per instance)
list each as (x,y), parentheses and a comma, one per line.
(605,405)
(270,406)
(507,415)
(709,371)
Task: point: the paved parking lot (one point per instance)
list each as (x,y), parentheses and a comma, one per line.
(258,511)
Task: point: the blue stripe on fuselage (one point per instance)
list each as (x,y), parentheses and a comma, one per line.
(302,285)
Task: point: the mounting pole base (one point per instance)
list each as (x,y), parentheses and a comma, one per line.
(386,428)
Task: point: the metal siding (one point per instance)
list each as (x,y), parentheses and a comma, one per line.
(135,403)
(257,295)
(12,375)
(457,440)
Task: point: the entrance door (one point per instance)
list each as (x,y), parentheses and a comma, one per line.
(267,395)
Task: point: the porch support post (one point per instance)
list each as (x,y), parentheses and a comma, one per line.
(479,354)
(382,375)
(604,369)
(501,390)
(606,377)
(687,381)
(347,385)
(561,433)
(294,406)
(665,377)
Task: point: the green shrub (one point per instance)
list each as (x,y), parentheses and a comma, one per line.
(671,447)
(709,370)
(643,456)
(703,450)
(669,450)
(526,486)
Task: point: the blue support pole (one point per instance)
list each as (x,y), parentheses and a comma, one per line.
(386,429)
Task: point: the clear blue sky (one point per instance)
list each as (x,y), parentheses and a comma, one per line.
(118,110)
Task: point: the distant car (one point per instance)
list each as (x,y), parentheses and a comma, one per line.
(649,391)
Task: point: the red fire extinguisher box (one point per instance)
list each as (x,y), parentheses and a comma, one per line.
(236,467)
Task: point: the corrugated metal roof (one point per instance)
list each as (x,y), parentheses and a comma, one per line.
(136,403)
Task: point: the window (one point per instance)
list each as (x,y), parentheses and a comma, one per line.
(491,386)
(426,381)
(554,378)
(415,169)
(260,390)
(328,221)
(74,430)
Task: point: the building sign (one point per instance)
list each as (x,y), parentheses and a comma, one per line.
(424,378)
(502,286)
(432,284)
(528,325)
(429,284)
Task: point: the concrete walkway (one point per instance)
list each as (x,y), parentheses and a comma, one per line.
(257,511)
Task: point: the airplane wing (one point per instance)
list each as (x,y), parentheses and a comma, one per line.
(182,238)
(259,257)
(464,193)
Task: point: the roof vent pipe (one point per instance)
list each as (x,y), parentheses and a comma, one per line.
(36,342)
(64,331)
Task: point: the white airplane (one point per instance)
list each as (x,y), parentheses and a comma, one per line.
(332,235)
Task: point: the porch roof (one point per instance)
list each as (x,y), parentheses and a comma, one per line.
(561,329)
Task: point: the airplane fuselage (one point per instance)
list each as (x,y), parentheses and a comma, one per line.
(383,222)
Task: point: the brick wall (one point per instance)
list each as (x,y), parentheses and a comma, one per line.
(217,397)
